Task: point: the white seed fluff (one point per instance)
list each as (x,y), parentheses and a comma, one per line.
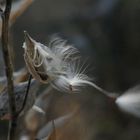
(130,101)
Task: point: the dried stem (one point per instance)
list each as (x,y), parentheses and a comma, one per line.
(18,8)
(54,129)
(8,68)
(26,96)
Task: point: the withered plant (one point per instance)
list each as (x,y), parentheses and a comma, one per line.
(59,67)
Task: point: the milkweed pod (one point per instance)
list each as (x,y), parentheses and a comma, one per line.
(33,59)
(19,91)
(47,130)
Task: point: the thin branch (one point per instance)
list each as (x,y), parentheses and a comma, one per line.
(8,68)
(26,96)
(18,8)
(54,130)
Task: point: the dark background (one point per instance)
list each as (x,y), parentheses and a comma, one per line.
(106,31)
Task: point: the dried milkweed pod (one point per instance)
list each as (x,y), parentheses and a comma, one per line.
(48,62)
(57,63)
(48,132)
(19,89)
(34,60)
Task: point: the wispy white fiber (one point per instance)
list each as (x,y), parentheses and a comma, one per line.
(130,101)
(53,58)
(61,62)
(75,79)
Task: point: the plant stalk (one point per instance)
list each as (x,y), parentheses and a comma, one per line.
(8,69)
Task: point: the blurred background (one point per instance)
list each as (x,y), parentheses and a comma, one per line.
(107,33)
